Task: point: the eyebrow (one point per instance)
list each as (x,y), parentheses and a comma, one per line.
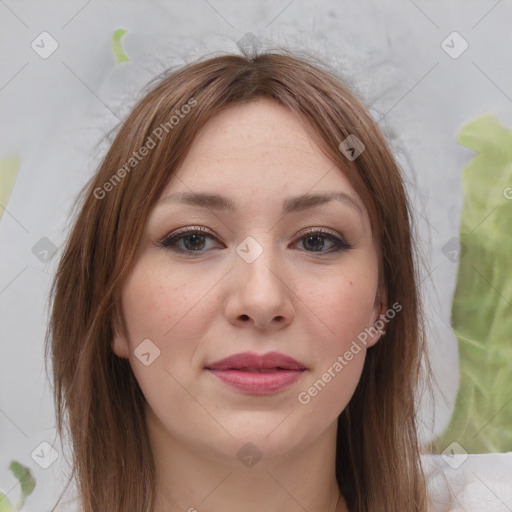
(290,205)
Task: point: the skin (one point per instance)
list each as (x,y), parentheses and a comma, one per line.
(199,307)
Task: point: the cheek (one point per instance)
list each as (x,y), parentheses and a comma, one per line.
(172,311)
(342,305)
(160,304)
(342,308)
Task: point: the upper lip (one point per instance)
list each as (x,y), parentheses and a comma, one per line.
(252,360)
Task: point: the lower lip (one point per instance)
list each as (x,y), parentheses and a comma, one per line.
(258,383)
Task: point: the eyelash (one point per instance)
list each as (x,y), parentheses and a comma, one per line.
(170,241)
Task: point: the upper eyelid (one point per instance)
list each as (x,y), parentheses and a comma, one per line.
(205,231)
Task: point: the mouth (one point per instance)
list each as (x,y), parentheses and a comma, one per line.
(258,374)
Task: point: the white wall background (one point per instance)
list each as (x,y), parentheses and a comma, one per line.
(54,112)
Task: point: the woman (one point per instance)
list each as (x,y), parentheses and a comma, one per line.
(235,318)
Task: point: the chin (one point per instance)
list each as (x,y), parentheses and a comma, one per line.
(270,434)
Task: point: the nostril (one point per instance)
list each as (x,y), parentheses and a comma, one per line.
(244,317)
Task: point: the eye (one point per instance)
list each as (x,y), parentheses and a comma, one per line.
(188,240)
(315,240)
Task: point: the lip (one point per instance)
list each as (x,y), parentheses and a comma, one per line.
(258,374)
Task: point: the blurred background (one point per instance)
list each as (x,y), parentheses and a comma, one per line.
(435,75)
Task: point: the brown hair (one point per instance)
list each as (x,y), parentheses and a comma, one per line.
(97,398)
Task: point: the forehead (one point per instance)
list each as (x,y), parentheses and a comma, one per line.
(259,148)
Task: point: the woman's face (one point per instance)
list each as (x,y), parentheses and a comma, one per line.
(279,272)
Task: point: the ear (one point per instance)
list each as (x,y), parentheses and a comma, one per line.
(120,347)
(120,344)
(378,322)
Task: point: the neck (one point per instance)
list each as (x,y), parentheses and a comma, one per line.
(190,478)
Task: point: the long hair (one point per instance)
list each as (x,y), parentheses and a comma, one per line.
(97,399)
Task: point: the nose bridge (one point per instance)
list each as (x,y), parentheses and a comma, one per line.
(257,261)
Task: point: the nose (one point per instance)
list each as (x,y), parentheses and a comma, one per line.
(261,293)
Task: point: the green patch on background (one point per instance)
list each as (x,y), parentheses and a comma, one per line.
(482,303)
(117,46)
(8,171)
(27,484)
